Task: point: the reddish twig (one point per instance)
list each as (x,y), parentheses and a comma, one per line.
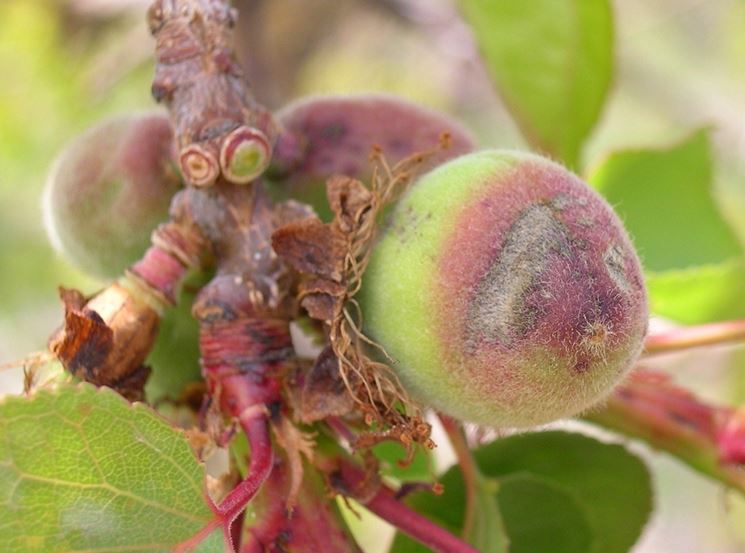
(386,506)
(695,336)
(312,524)
(255,426)
(220,130)
(350,479)
(708,438)
(224,139)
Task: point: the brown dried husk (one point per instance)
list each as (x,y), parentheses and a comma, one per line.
(333,274)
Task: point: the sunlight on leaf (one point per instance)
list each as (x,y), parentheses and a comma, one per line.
(82,470)
(552,61)
(664,197)
(704,294)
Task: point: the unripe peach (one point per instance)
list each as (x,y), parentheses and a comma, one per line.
(506,291)
(326,135)
(107,191)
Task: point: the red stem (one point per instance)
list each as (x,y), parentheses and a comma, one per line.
(161,271)
(256,428)
(254,424)
(385,504)
(695,336)
(312,525)
(710,439)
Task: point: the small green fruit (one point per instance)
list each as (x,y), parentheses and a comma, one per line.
(108,190)
(506,290)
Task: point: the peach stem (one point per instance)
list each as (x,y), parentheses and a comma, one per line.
(257,432)
(468,468)
(262,456)
(695,336)
(385,504)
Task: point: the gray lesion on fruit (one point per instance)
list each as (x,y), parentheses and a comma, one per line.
(561,201)
(498,311)
(615,263)
(586,221)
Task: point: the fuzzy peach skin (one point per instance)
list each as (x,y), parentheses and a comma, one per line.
(506,290)
(325,135)
(107,191)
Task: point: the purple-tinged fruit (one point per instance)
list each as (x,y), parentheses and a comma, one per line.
(506,290)
(326,135)
(108,190)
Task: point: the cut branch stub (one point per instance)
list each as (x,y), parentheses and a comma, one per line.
(244,155)
(219,128)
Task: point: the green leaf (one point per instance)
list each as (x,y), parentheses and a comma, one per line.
(543,517)
(391,454)
(611,485)
(665,199)
(693,258)
(698,295)
(175,356)
(553,63)
(83,470)
(556,492)
(214,543)
(489,532)
(730,193)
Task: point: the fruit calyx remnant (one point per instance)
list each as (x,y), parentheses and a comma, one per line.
(332,258)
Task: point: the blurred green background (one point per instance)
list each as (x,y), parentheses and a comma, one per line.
(66,63)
